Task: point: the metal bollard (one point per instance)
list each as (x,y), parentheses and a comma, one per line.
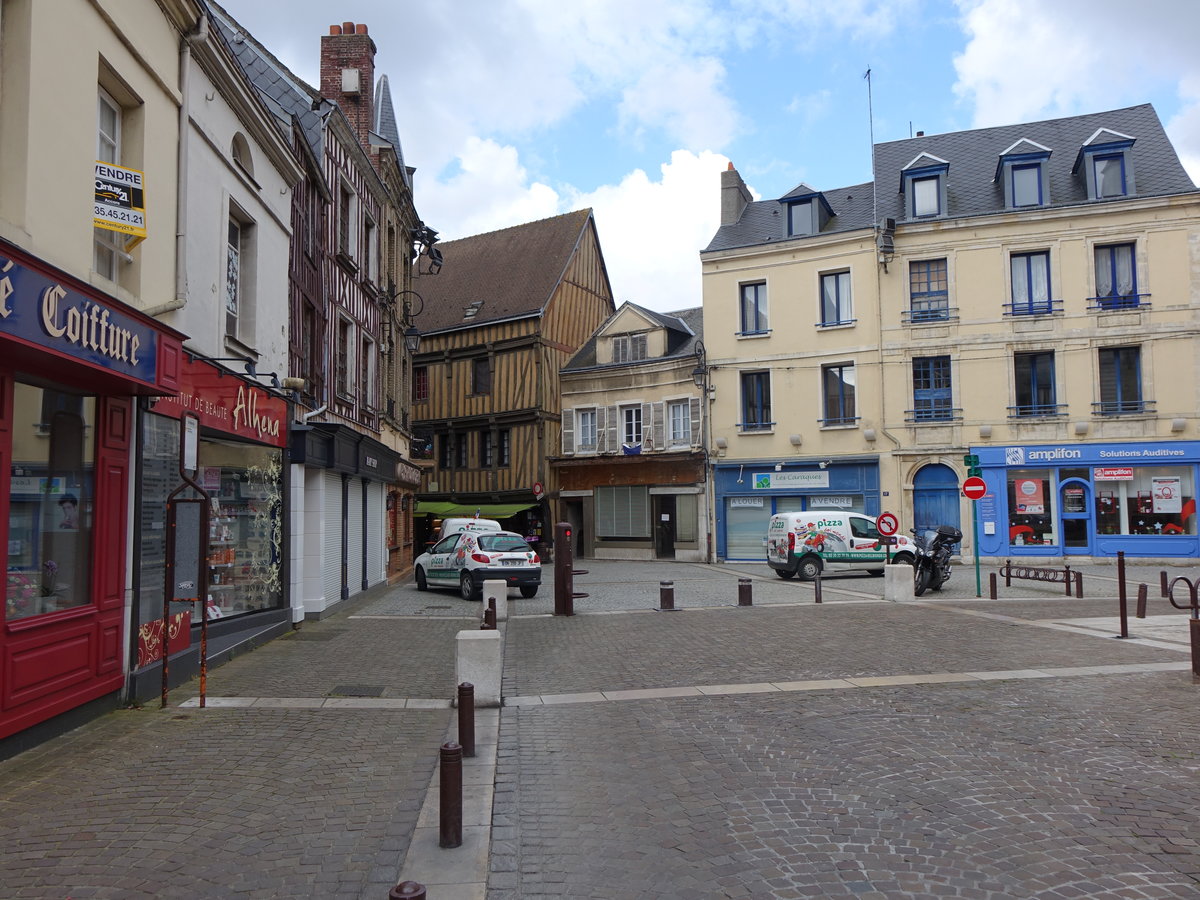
(1122,597)
(1069,579)
(992,585)
(407,890)
(1141,602)
(666,596)
(1162,583)
(1194,625)
(489,617)
(817,587)
(745,598)
(450,823)
(466,718)
(1078,585)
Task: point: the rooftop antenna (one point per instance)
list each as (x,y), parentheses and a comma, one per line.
(871,124)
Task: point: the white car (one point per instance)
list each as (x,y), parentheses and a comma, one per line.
(467,559)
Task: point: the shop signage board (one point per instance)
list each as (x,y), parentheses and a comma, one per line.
(38,310)
(227,403)
(1113,473)
(773,481)
(119,201)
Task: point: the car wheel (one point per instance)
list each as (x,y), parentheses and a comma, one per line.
(786,573)
(529,590)
(902,559)
(466,587)
(422,584)
(809,568)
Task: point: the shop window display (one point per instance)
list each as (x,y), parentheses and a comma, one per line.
(1155,500)
(50,502)
(1031,506)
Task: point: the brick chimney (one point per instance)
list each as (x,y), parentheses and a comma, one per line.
(734,196)
(348,74)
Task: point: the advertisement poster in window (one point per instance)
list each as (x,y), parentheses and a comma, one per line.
(1074,500)
(1168,497)
(1030,500)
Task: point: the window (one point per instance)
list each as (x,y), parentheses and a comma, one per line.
(800,218)
(835,299)
(838,389)
(312,364)
(932,395)
(631,424)
(366,375)
(1030,284)
(1116,277)
(1109,171)
(679,422)
(420,384)
(926,199)
(446,451)
(346,231)
(240,151)
(107,252)
(1027,185)
(233,276)
(487,456)
(503,448)
(1033,375)
(928,286)
(622,511)
(629,348)
(481,375)
(753,314)
(370,250)
(460,451)
(756,401)
(585,427)
(1120,381)
(344,363)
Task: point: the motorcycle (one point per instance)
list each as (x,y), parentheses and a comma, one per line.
(931,565)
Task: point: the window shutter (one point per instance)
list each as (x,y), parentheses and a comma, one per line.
(656,438)
(648,427)
(568,432)
(694,410)
(612,419)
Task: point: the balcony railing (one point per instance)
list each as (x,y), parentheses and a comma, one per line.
(1122,407)
(932,415)
(932,315)
(1037,410)
(838,420)
(1033,307)
(1115,302)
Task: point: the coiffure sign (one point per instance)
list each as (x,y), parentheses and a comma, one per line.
(37,309)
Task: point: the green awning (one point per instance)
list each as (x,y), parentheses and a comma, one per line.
(444,510)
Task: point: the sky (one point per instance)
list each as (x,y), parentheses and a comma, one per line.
(517,110)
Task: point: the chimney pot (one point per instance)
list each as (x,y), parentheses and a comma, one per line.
(335,29)
(729,168)
(920,134)
(360,29)
(347,28)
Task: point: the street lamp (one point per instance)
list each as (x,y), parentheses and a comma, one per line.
(700,373)
(408,314)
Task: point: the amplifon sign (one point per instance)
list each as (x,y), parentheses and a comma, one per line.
(38,310)
(227,402)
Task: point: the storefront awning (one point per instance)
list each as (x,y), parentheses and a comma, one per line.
(442,509)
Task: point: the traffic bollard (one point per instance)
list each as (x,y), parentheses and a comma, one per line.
(817,587)
(1194,625)
(450,822)
(745,598)
(1141,602)
(1078,585)
(407,890)
(992,584)
(466,718)
(666,596)
(489,617)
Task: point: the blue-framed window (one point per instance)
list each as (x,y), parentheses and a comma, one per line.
(753,315)
(836,306)
(1109,172)
(1120,381)
(928,290)
(1027,184)
(927,196)
(932,389)
(800,218)
(1116,277)
(838,388)
(1031,284)
(756,401)
(1033,374)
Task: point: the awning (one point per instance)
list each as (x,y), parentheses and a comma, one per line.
(442,509)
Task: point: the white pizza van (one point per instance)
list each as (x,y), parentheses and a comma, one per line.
(807,543)
(456,526)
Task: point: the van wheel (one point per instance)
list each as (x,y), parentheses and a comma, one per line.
(875,572)
(422,584)
(809,568)
(902,559)
(786,573)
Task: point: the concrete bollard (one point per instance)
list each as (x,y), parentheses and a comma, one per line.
(745,597)
(466,718)
(407,890)
(450,812)
(479,660)
(666,596)
(898,582)
(497,590)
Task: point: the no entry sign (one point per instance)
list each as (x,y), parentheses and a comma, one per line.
(887,523)
(974,488)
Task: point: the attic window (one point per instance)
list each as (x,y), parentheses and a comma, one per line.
(800,218)
(629,348)
(240,151)
(923,183)
(473,310)
(1106,162)
(1022,171)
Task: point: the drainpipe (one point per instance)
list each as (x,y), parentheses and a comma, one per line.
(199,36)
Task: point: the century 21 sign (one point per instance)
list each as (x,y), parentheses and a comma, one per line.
(120,201)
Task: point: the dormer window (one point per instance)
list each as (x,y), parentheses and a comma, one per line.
(924,186)
(629,348)
(1106,162)
(1022,172)
(807,211)
(800,218)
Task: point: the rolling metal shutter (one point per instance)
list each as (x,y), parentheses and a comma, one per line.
(354,527)
(332,573)
(375,533)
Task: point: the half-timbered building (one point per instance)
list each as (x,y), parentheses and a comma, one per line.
(499,322)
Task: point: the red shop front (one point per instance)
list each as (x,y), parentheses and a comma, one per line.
(71,361)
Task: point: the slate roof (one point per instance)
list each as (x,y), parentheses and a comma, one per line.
(685,328)
(385,123)
(971,189)
(510,273)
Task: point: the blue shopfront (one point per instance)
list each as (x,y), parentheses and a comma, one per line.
(1090,499)
(748,494)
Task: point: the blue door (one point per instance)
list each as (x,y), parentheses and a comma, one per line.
(935,497)
(1075,501)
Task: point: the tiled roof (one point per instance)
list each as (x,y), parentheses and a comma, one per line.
(503,274)
(971,189)
(684,330)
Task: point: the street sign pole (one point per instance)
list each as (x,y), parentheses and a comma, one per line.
(974,488)
(975,545)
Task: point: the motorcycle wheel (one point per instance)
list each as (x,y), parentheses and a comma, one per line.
(920,580)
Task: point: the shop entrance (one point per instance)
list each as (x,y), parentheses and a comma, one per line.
(1075,501)
(664,526)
